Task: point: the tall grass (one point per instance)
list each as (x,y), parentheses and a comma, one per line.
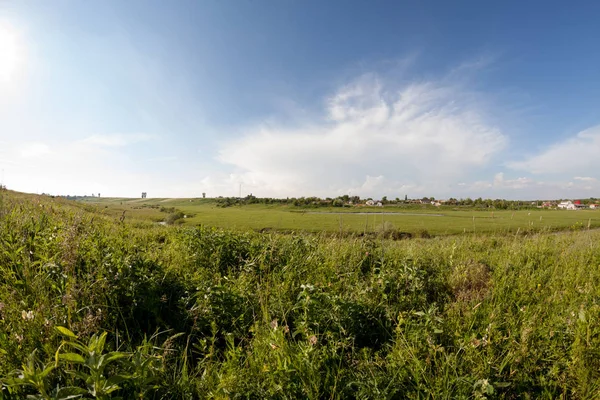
(205,313)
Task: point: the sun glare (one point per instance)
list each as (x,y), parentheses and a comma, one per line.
(9,54)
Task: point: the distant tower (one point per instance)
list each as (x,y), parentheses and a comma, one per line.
(203,195)
(144,195)
(98,194)
(405,197)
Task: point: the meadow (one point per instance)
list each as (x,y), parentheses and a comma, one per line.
(92,306)
(413,220)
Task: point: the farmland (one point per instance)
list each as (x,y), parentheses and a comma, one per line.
(413,220)
(96,306)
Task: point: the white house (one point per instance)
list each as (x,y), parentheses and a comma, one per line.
(370,203)
(567,205)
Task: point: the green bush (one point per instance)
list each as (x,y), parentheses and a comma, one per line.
(174,217)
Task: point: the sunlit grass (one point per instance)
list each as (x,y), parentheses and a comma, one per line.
(410,220)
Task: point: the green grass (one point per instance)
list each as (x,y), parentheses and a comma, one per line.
(94,307)
(334,219)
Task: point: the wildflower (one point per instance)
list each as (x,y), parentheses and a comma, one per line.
(274,324)
(27,315)
(312,340)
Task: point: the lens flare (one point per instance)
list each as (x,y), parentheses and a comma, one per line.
(10,58)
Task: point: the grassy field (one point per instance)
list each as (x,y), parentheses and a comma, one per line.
(414,220)
(91,307)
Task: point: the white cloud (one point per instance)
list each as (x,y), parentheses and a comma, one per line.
(518,183)
(585,179)
(578,154)
(523,188)
(373,141)
(34,150)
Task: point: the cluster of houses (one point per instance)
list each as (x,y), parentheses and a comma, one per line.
(425,200)
(373,203)
(569,205)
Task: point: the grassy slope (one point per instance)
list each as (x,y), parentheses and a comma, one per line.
(282,217)
(303,316)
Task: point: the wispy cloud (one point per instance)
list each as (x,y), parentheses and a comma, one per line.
(117,140)
(373,139)
(480,62)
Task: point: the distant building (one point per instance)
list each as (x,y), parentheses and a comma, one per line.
(567,205)
(370,203)
(144,195)
(594,206)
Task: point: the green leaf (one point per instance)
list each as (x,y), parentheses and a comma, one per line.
(115,380)
(66,332)
(72,357)
(46,371)
(100,343)
(82,348)
(69,392)
(115,355)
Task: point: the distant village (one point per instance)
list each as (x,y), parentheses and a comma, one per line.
(570,205)
(356,201)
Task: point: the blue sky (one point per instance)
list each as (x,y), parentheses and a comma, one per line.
(293,98)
